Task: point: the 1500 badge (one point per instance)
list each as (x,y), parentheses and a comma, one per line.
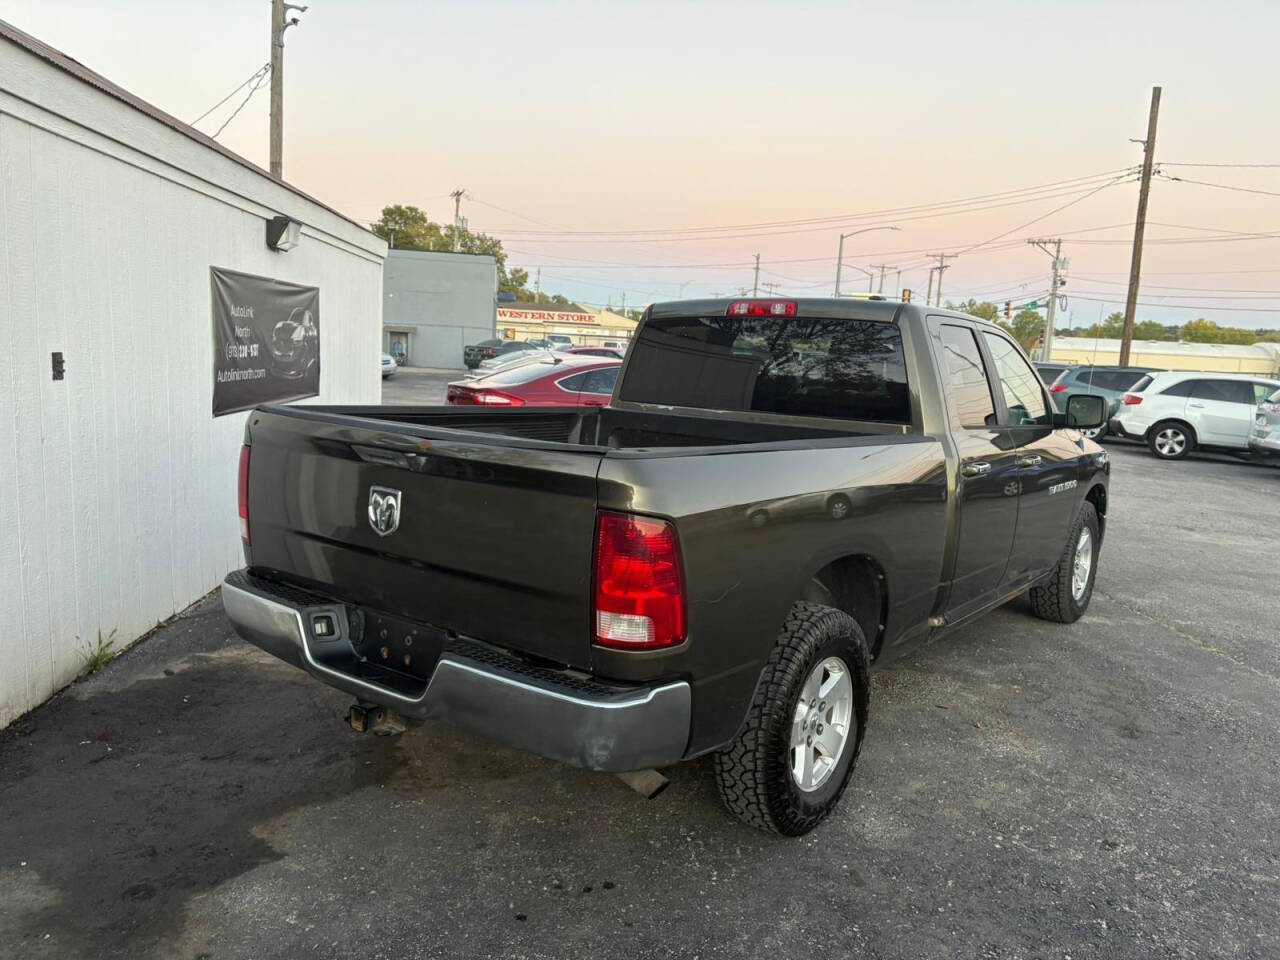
(1059,487)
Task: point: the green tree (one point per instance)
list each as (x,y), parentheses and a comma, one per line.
(1269,336)
(1201,330)
(407,228)
(984,310)
(1027,328)
(1148,330)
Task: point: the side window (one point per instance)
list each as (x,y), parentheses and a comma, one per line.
(1226,391)
(572,384)
(1182,389)
(600,381)
(968,391)
(1261,391)
(1116,379)
(1022,393)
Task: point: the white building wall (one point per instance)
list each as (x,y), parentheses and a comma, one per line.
(117,485)
(444,300)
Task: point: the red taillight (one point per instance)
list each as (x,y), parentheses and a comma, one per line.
(1132,399)
(496,398)
(458,395)
(490,351)
(639,586)
(1058,388)
(761,308)
(242,493)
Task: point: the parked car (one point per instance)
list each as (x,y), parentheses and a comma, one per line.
(1049,372)
(1110,383)
(1176,412)
(542,381)
(388,366)
(707,565)
(492,350)
(512,351)
(620,345)
(558,341)
(1264,441)
(594,352)
(473,353)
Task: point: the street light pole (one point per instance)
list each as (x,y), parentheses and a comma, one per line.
(840,251)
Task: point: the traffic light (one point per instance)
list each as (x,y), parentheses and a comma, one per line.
(906,295)
(1008,311)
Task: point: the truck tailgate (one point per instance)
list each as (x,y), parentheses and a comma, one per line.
(494,538)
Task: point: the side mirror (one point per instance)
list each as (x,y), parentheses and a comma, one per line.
(1086,411)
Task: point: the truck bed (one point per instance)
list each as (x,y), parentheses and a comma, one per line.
(598,430)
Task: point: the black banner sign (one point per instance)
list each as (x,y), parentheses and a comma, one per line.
(266,341)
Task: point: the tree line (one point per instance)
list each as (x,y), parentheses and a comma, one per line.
(1027,327)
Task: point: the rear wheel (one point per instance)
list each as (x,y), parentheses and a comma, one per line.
(1171,439)
(1065,596)
(788,768)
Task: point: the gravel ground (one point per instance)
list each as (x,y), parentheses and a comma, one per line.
(1026,790)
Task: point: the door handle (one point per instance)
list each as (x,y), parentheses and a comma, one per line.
(1031,461)
(976,469)
(1198,406)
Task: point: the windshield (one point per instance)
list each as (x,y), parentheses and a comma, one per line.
(841,368)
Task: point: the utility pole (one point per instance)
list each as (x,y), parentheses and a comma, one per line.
(1055,283)
(458,223)
(277,88)
(928,297)
(1139,228)
(769,286)
(537,287)
(882,267)
(755,286)
(279,9)
(942,265)
(624,303)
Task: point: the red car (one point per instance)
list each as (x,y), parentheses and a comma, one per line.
(544,381)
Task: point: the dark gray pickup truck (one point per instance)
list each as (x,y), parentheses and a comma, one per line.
(780,493)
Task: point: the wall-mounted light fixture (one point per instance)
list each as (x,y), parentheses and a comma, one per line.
(283,233)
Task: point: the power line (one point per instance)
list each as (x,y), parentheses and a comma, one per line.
(1179,306)
(256,75)
(1059,188)
(252,90)
(1220,186)
(1242,166)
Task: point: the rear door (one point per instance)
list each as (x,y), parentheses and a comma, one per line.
(1222,411)
(987,485)
(492,537)
(1048,463)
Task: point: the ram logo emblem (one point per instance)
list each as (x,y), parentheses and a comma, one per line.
(384,510)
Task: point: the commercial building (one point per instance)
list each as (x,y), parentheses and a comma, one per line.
(117,482)
(434,304)
(1260,358)
(522,321)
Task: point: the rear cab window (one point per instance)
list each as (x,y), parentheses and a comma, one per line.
(836,368)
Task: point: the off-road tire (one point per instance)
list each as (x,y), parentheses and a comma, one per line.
(753,773)
(1053,599)
(1184,429)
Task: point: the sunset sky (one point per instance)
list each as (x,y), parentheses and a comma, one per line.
(621,118)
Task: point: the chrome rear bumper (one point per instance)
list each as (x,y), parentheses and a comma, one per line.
(581,722)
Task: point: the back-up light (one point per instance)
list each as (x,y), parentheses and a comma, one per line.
(761,308)
(639,583)
(1132,399)
(242,493)
(1058,388)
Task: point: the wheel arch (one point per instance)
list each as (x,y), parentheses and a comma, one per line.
(858,585)
(1097,495)
(1185,424)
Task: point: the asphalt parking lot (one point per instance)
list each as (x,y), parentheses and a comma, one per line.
(409,385)
(1026,790)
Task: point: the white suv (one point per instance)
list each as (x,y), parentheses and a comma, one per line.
(1177,411)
